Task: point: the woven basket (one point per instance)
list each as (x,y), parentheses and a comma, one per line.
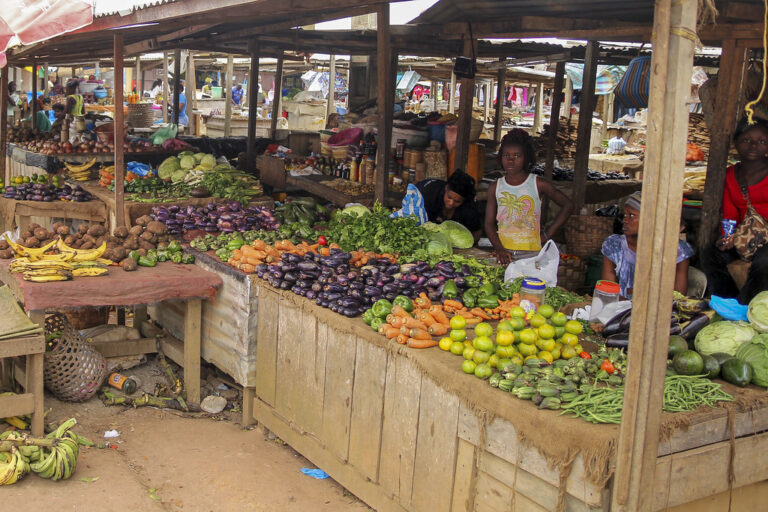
(140,115)
(73,370)
(572,273)
(584,234)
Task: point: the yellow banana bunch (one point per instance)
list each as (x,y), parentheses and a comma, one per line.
(12,466)
(29,252)
(20,265)
(17,422)
(80,172)
(89,271)
(79,254)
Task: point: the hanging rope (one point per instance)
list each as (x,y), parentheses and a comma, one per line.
(748,108)
(707,12)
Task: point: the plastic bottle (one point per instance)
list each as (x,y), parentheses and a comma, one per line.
(123,383)
(606,292)
(533,290)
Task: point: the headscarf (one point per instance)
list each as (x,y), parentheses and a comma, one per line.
(633,201)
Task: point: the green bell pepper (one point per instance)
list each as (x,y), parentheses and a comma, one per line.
(174,246)
(223,254)
(404,302)
(450,290)
(487,289)
(162,255)
(235,243)
(472,281)
(381,308)
(368,316)
(488,301)
(470,298)
(376,323)
(187,259)
(144,261)
(134,255)
(176,257)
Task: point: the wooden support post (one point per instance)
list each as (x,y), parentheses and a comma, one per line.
(192,327)
(433,94)
(584,132)
(34,97)
(465,116)
(228,94)
(487,101)
(278,98)
(452,95)
(330,105)
(191,94)
(554,120)
(386,101)
(46,89)
(606,114)
(568,101)
(119,130)
(501,85)
(176,84)
(727,109)
(165,87)
(138,75)
(253,104)
(538,113)
(673,47)
(4,171)
(34,380)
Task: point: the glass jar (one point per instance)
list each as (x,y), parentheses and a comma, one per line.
(533,290)
(606,292)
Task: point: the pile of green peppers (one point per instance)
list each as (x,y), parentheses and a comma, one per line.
(171,252)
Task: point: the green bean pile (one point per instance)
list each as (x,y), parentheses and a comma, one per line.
(687,392)
(598,405)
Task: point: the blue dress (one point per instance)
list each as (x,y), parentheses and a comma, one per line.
(183,119)
(615,248)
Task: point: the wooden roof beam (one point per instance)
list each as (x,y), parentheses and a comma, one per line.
(155,43)
(739,11)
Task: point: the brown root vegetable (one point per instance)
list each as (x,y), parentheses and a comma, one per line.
(143,220)
(87,245)
(121,232)
(141,252)
(62,230)
(119,254)
(162,245)
(3,244)
(97,230)
(41,234)
(26,234)
(129,264)
(131,243)
(70,240)
(156,227)
(31,242)
(57,225)
(6,254)
(32,227)
(82,228)
(136,230)
(147,236)
(78,243)
(146,245)
(114,240)
(89,239)
(162,238)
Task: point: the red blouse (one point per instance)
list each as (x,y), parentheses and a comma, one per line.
(734,205)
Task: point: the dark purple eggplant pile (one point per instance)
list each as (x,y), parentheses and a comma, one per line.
(223,217)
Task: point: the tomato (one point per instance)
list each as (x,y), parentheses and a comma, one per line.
(607,366)
(321,240)
(585,355)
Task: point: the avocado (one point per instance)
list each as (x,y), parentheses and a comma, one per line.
(688,362)
(677,344)
(721,357)
(736,372)
(711,367)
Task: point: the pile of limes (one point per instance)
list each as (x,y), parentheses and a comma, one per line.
(543,334)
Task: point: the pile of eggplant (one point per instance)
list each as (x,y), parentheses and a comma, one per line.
(689,316)
(223,217)
(331,283)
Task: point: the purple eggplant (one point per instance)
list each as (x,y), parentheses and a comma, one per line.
(371,291)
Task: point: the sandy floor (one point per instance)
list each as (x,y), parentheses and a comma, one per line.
(164,462)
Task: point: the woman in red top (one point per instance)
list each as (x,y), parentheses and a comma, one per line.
(751,141)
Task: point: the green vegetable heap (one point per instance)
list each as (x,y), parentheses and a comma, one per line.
(376,231)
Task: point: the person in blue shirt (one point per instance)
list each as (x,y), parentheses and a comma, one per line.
(237,95)
(183,119)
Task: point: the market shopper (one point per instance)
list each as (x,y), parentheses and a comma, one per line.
(157,88)
(237,95)
(453,199)
(620,253)
(74,106)
(513,213)
(748,178)
(14,98)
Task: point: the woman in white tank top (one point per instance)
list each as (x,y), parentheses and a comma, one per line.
(513,214)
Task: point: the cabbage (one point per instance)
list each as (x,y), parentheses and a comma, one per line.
(199,157)
(178,176)
(431,226)
(187,162)
(357,209)
(458,234)
(758,312)
(723,337)
(439,244)
(755,354)
(208,161)
(166,168)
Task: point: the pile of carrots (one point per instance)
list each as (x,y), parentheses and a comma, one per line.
(416,329)
(248,257)
(361,258)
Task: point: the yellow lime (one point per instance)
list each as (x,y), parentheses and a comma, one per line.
(528,358)
(538,320)
(567,352)
(526,349)
(570,339)
(468,366)
(458,322)
(547,356)
(578,348)
(483,343)
(547,345)
(517,312)
(546,332)
(493,361)
(480,356)
(559,319)
(445,344)
(556,353)
(559,331)
(505,325)
(573,327)
(457,348)
(503,363)
(546,310)
(505,338)
(528,336)
(458,334)
(518,324)
(483,371)
(484,329)
(468,352)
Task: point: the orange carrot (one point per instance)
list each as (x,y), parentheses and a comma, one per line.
(253,261)
(237,254)
(474,321)
(402,339)
(425,317)
(453,304)
(414,343)
(465,313)
(399,311)
(420,334)
(438,329)
(259,245)
(439,315)
(248,268)
(392,332)
(423,301)
(480,313)
(413,323)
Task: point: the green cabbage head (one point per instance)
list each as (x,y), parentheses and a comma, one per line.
(755,354)
(357,209)
(439,244)
(758,311)
(723,337)
(458,234)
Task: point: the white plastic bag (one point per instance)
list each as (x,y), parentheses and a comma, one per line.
(543,266)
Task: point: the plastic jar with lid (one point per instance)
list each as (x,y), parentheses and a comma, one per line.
(533,290)
(606,292)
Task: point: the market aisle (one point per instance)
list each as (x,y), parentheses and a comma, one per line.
(192,465)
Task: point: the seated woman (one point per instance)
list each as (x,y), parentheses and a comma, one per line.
(452,200)
(749,178)
(620,253)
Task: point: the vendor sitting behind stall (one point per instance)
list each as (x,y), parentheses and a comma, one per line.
(620,253)
(59,114)
(74,105)
(452,200)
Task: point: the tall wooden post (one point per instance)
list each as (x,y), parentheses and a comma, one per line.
(276,112)
(501,85)
(138,75)
(46,89)
(568,98)
(606,114)
(584,131)
(119,131)
(726,114)
(538,113)
(386,101)
(554,120)
(673,43)
(34,97)
(4,122)
(330,106)
(253,104)
(228,94)
(465,116)
(165,87)
(452,95)
(433,94)
(487,101)
(176,84)
(191,94)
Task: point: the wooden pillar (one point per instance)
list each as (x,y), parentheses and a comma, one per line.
(452,95)
(673,47)
(487,102)
(386,100)
(276,112)
(538,113)
(501,84)
(568,98)
(253,104)
(34,97)
(119,131)
(191,93)
(330,105)
(165,87)
(138,75)
(46,89)
(584,132)
(3,124)
(433,94)
(727,109)
(465,116)
(554,120)
(176,84)
(606,114)
(228,94)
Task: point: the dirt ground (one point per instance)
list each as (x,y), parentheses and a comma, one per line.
(166,462)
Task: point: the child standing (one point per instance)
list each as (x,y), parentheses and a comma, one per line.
(513,214)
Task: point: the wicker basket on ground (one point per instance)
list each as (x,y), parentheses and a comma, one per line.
(73,371)
(584,234)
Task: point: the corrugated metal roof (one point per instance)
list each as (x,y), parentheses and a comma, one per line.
(102,8)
